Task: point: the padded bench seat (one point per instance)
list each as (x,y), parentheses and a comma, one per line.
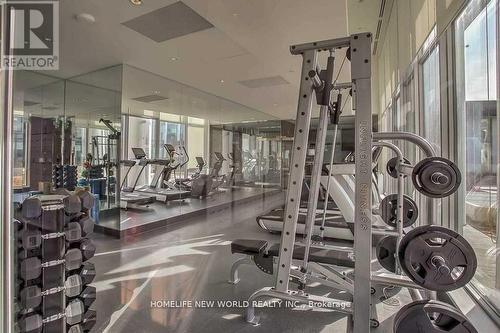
(321,256)
(248,246)
(318,255)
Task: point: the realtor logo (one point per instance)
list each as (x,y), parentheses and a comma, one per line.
(34,31)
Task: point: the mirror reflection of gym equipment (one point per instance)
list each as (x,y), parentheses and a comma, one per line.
(268,166)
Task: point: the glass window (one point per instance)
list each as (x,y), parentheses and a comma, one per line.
(141,134)
(478,142)
(172,133)
(19,151)
(196,121)
(431,111)
(408,122)
(80,146)
(170,117)
(97,145)
(396,115)
(196,145)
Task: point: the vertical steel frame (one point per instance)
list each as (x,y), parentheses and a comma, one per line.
(317,169)
(6,120)
(361,77)
(292,204)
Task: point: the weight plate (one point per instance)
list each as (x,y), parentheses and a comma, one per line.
(431,316)
(386,251)
(389,205)
(436,177)
(437,258)
(391,166)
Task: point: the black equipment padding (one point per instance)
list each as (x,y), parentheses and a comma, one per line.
(331,220)
(318,255)
(248,246)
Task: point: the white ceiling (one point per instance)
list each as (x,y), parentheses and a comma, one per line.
(250,40)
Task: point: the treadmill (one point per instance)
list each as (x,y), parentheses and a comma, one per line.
(155,187)
(129,198)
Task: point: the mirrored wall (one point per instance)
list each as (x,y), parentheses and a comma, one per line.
(72,122)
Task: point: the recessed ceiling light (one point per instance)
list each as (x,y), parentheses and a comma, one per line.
(221,81)
(156,92)
(136,2)
(236,14)
(174,58)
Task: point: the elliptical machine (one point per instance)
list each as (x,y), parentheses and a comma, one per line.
(206,184)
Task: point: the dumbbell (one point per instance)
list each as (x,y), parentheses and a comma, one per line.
(87,273)
(74,312)
(88,249)
(31,323)
(30,297)
(30,238)
(73,232)
(89,320)
(31,268)
(73,259)
(87,224)
(87,200)
(73,285)
(88,296)
(72,204)
(62,191)
(75,329)
(31,208)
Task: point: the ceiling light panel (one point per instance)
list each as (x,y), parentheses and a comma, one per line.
(150,98)
(169,22)
(264,82)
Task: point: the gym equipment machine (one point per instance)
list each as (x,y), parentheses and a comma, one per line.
(177,161)
(433,257)
(154,188)
(129,199)
(53,292)
(205,185)
(185,183)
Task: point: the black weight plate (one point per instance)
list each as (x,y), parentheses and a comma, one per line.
(388,207)
(386,251)
(391,166)
(431,317)
(419,249)
(424,173)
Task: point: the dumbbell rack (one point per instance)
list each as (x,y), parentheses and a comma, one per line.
(50,294)
(64,176)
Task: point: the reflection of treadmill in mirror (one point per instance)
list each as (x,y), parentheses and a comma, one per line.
(129,198)
(154,188)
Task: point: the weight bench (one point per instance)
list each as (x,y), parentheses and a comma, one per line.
(264,256)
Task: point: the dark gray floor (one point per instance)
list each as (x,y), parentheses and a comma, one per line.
(160,213)
(191,261)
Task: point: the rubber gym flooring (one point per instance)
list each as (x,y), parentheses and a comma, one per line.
(190,261)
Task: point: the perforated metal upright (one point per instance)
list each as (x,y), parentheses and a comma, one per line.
(361,79)
(302,124)
(360,45)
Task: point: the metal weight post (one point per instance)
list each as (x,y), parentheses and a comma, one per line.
(302,124)
(309,52)
(323,93)
(361,75)
(361,78)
